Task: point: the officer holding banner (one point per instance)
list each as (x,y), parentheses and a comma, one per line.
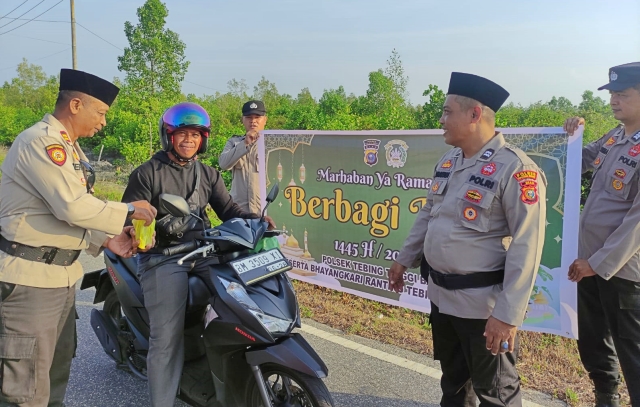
(608,266)
(481,232)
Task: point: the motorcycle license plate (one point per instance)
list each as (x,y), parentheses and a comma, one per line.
(260,266)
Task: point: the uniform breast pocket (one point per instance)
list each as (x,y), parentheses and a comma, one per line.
(474,208)
(619,181)
(436,193)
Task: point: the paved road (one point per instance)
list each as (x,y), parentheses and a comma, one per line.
(362,373)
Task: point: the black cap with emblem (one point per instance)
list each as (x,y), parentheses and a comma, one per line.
(79,81)
(253,107)
(478,88)
(622,77)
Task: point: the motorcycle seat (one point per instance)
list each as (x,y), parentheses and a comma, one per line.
(131,264)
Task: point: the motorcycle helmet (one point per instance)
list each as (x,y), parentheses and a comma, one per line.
(184,114)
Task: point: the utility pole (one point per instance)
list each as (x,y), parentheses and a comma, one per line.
(73,34)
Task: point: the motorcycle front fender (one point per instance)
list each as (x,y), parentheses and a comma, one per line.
(294,353)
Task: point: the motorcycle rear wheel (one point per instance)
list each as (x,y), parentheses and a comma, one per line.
(289,388)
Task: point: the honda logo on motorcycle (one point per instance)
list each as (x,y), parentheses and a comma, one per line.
(113,275)
(246,335)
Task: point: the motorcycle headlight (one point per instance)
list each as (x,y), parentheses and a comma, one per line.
(273,324)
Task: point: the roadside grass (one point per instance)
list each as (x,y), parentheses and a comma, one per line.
(547,363)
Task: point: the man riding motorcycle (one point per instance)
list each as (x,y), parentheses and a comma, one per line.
(184,133)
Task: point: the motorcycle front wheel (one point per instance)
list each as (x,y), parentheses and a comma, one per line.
(289,388)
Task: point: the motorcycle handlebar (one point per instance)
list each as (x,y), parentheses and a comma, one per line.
(181,248)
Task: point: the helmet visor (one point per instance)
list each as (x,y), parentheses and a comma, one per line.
(186,115)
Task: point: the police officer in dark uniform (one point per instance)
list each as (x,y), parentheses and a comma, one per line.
(608,266)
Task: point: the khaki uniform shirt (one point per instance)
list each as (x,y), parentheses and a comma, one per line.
(44,202)
(610,221)
(242,160)
(484,213)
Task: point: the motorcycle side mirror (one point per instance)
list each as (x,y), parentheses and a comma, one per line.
(271,196)
(174,204)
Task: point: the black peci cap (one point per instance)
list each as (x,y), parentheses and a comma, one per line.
(254,107)
(622,77)
(478,88)
(71,79)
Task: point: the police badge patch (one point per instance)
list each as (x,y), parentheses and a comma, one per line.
(488,169)
(620,173)
(396,153)
(617,184)
(371,147)
(473,195)
(57,154)
(470,213)
(610,142)
(634,151)
(528,186)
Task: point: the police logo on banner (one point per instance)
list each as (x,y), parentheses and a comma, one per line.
(396,153)
(371,147)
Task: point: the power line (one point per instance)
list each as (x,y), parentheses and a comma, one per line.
(15,28)
(48,56)
(43,21)
(23,13)
(202,86)
(39,39)
(4,16)
(115,46)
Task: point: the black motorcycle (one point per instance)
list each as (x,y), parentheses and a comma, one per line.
(239,346)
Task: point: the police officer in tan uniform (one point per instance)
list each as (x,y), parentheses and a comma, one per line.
(240,155)
(47,216)
(608,266)
(481,232)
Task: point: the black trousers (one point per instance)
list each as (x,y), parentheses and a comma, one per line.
(608,329)
(467,365)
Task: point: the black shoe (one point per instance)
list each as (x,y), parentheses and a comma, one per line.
(607,399)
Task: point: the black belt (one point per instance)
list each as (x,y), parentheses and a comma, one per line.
(44,254)
(462,281)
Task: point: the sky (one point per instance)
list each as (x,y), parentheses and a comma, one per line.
(534,49)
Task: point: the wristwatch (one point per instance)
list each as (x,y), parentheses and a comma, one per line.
(131,209)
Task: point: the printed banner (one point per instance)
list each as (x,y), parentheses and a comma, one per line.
(348,200)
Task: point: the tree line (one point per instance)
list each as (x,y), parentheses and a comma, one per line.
(154,66)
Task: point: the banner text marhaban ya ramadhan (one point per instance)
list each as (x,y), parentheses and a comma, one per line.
(380,217)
